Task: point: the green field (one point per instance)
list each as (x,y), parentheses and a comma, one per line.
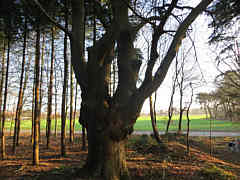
(197,123)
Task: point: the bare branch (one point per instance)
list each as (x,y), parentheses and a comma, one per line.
(52,20)
(147,88)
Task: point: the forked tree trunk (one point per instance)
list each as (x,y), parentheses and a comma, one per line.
(110,119)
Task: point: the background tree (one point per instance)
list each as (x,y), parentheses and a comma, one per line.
(66,66)
(50,88)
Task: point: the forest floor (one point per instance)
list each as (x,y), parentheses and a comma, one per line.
(146,159)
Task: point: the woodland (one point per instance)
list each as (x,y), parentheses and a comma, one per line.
(82,59)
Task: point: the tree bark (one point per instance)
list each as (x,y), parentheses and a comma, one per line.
(106,155)
(20,93)
(170,107)
(2,113)
(36,121)
(153,120)
(41,81)
(55,116)
(71,129)
(75,108)
(63,115)
(50,90)
(188,118)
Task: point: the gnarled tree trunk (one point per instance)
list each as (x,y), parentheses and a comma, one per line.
(110,119)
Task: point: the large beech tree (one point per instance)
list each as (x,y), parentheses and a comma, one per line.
(110,118)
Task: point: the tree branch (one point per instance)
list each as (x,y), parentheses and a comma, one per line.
(148,88)
(52,20)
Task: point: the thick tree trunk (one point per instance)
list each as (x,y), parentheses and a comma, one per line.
(106,155)
(114,167)
(111,119)
(82,121)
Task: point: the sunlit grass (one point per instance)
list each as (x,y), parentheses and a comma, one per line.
(197,123)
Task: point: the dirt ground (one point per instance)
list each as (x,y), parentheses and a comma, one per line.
(145,158)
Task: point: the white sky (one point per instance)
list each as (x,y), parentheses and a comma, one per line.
(206,63)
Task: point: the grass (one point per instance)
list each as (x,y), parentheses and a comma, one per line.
(214,172)
(197,123)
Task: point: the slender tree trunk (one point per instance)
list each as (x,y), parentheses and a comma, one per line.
(153,120)
(2,116)
(23,92)
(180,122)
(2,79)
(170,108)
(33,107)
(188,119)
(41,82)
(71,107)
(37,100)
(181,109)
(56,120)
(3,150)
(50,90)
(20,93)
(12,120)
(63,115)
(75,108)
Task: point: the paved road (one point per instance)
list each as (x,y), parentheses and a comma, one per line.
(197,133)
